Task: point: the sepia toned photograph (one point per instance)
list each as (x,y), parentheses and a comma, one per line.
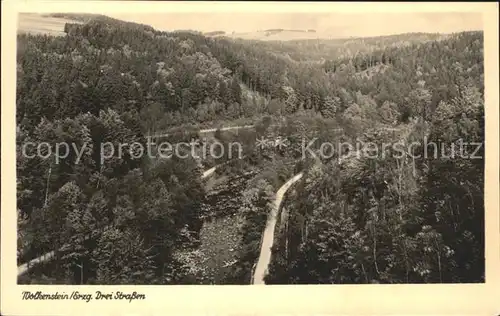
(248,148)
(249,158)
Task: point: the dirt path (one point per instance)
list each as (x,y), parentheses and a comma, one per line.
(26,266)
(208,172)
(213,130)
(268,236)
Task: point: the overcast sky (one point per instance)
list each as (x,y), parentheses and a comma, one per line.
(345,24)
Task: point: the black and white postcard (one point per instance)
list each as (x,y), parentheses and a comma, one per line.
(249,158)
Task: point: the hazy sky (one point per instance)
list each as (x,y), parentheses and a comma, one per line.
(333,24)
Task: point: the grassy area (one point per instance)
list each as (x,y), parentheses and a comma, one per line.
(39,24)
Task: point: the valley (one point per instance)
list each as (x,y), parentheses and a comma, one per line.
(382,200)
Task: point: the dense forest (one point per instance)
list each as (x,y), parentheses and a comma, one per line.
(146,221)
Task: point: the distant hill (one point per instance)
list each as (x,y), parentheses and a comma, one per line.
(214,33)
(81,17)
(277,35)
(303,49)
(310,40)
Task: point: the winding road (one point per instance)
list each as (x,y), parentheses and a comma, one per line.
(211,130)
(264,260)
(268,236)
(26,266)
(209,172)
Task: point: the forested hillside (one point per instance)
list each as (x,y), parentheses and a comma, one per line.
(131,221)
(318,49)
(411,218)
